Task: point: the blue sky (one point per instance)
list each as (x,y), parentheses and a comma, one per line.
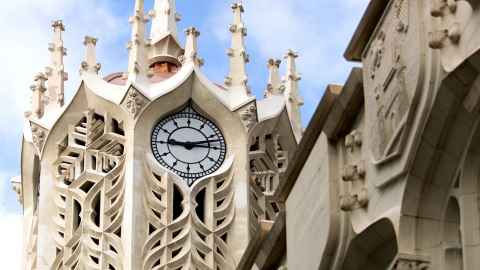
(318,29)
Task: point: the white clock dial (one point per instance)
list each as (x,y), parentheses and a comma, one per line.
(188,144)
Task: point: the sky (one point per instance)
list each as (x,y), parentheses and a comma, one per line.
(319,30)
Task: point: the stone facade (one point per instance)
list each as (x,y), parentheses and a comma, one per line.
(94,191)
(386,174)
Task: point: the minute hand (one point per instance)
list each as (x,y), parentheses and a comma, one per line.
(202,142)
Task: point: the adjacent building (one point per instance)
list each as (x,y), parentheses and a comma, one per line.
(157,167)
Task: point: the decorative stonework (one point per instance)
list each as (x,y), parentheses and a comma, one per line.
(268,164)
(134,102)
(189,228)
(17,187)
(354,174)
(452,30)
(90,191)
(409,262)
(389,102)
(248,115)
(39,135)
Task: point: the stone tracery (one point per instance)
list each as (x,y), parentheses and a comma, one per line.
(268,164)
(90,190)
(188,229)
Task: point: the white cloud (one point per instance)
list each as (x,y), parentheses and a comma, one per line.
(26,32)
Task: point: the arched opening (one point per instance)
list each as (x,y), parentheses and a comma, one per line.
(373,249)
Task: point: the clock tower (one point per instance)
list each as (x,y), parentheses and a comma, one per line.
(156,167)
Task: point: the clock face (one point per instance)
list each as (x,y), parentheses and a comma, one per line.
(188,144)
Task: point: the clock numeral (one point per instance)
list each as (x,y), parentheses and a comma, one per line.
(211,159)
(164,130)
(189,122)
(201,167)
(174,164)
(165,154)
(175,123)
(202,126)
(188,167)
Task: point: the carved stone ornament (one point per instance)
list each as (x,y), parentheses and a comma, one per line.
(39,134)
(134,102)
(409,262)
(248,115)
(389,100)
(453,29)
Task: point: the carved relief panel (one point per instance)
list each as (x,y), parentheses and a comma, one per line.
(389,99)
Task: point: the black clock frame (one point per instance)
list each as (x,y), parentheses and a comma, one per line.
(190,113)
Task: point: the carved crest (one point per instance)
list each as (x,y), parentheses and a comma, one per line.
(389,98)
(248,115)
(39,134)
(134,102)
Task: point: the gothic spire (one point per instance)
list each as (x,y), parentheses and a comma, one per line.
(293,99)
(237,79)
(164,19)
(163,43)
(90,63)
(137,62)
(55,72)
(274,86)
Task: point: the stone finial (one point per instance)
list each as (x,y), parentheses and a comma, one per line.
(274,86)
(137,62)
(237,80)
(191,46)
(164,19)
(17,187)
(90,63)
(38,100)
(292,94)
(55,72)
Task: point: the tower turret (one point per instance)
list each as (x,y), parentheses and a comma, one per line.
(293,99)
(90,63)
(137,64)
(38,96)
(163,44)
(55,72)
(164,19)
(237,80)
(274,86)
(191,46)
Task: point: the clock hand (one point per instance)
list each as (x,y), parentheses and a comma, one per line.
(190,145)
(207,141)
